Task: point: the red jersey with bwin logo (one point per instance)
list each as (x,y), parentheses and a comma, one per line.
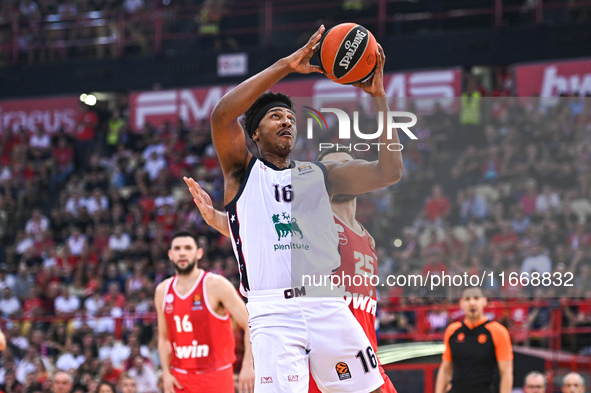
(201,340)
(359,258)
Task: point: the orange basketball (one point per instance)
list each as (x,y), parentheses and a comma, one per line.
(348,53)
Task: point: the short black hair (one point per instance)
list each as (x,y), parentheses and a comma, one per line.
(335,149)
(184,234)
(265,99)
(469,288)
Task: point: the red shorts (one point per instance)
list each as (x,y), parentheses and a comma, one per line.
(216,381)
(387,387)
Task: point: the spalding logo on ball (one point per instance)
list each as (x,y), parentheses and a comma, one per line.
(348,53)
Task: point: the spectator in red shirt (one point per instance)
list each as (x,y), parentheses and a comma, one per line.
(528,200)
(85,133)
(108,372)
(434,266)
(114,296)
(437,206)
(33,305)
(506,241)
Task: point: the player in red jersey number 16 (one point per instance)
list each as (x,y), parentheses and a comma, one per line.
(195,335)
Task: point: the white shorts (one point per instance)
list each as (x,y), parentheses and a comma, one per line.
(287,335)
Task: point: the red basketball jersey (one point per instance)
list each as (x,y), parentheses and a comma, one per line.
(201,340)
(359,258)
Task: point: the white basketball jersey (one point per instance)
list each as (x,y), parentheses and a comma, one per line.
(282,226)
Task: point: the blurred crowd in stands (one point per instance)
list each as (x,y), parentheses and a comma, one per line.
(500,184)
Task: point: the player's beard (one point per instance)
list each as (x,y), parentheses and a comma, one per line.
(186,270)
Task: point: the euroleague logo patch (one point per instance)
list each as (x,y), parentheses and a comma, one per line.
(482,338)
(342,238)
(169,308)
(461,337)
(343,371)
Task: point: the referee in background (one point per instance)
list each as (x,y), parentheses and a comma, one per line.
(474,349)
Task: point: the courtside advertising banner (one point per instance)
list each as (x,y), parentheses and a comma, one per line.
(196,104)
(551,79)
(51,113)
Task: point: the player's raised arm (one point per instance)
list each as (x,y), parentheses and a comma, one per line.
(227,134)
(360,176)
(164,349)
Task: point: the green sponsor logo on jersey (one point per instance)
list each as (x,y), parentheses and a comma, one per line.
(289,226)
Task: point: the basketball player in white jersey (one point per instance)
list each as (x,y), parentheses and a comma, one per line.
(357,241)
(289,329)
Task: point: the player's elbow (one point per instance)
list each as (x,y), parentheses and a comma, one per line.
(396,175)
(390,173)
(219,113)
(392,176)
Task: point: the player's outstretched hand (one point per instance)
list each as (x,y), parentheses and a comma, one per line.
(299,61)
(169,382)
(374,85)
(201,199)
(246,379)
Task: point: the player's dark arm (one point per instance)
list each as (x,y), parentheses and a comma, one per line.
(360,176)
(164,348)
(227,134)
(506,374)
(444,376)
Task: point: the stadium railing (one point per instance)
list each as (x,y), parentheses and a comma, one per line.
(258,21)
(558,327)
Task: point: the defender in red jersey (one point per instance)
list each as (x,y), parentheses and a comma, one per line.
(357,249)
(195,334)
(358,257)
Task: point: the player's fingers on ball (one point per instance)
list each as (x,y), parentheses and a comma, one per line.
(316,36)
(319,31)
(317,69)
